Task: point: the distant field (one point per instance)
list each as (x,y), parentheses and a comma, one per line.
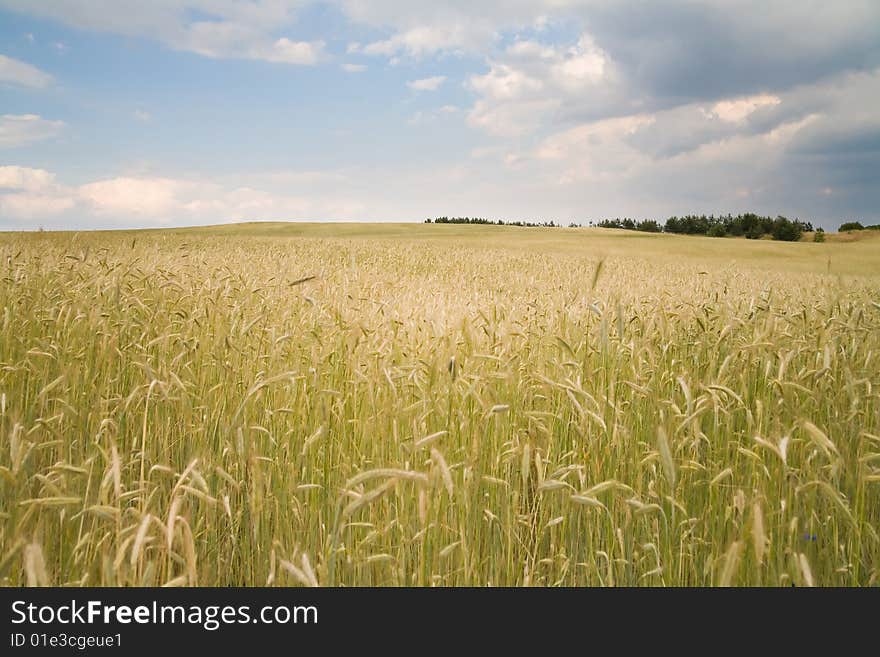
(849,253)
(436,405)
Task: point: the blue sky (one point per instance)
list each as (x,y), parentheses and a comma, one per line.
(175,112)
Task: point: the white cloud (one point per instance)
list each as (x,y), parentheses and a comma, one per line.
(737,110)
(25,179)
(219,38)
(591,136)
(285,51)
(427,39)
(13,71)
(427,84)
(33,206)
(504,82)
(131,196)
(581,65)
(531,83)
(594,151)
(255,29)
(510,119)
(28,193)
(21,129)
(377,48)
(787,130)
(623,163)
(231,39)
(531,49)
(420,28)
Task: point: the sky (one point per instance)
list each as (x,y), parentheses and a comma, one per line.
(123,113)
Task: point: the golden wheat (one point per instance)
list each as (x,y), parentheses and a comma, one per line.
(233,410)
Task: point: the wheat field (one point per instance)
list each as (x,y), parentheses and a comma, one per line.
(416,406)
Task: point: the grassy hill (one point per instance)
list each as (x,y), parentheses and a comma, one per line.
(855,253)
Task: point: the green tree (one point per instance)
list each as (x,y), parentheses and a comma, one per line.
(850,225)
(786,230)
(717,230)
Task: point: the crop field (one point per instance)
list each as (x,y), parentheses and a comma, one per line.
(414,405)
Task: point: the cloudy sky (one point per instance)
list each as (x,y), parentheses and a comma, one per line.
(171,112)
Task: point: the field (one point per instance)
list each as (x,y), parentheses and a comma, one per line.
(306,404)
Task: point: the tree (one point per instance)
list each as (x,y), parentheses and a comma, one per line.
(850,225)
(717,230)
(786,230)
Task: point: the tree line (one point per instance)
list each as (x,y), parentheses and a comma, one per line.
(856,225)
(748,225)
